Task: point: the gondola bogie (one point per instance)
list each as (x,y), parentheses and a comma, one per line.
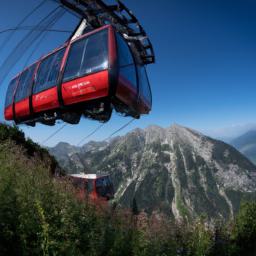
(88,76)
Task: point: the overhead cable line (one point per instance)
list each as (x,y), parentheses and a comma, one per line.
(55,17)
(40,39)
(117,150)
(22,47)
(121,128)
(89,135)
(32,28)
(7,40)
(67,9)
(53,134)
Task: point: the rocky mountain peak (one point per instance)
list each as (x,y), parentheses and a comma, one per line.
(62,144)
(63,147)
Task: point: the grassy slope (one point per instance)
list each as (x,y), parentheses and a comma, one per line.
(13,143)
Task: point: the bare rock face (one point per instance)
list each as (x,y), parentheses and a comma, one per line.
(176,171)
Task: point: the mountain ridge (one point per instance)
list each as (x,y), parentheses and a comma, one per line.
(175,170)
(246,144)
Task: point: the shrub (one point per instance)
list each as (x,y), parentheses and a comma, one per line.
(244,233)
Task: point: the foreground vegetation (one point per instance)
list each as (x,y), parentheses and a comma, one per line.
(40,215)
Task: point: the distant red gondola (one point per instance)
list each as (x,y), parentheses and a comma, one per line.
(90,75)
(97,187)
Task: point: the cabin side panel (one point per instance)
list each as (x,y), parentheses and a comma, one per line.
(86,88)
(8,113)
(45,100)
(22,108)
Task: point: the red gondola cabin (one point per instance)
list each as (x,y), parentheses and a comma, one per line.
(88,76)
(97,187)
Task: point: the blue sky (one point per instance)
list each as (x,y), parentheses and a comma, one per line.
(204,77)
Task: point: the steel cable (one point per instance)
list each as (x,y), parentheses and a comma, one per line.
(118,149)
(23,45)
(53,134)
(89,135)
(33,28)
(121,128)
(40,39)
(20,23)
